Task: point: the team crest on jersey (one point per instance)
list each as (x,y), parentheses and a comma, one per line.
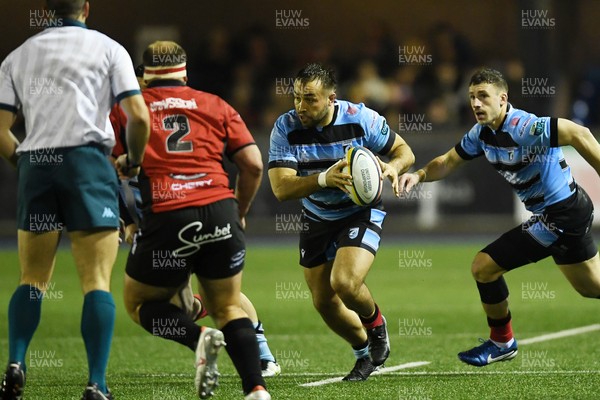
(385,129)
(537,128)
(352,110)
(353,233)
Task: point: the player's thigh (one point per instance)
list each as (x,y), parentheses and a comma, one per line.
(152,259)
(484,269)
(584,276)
(357,244)
(520,246)
(136,293)
(37,255)
(222,298)
(318,279)
(94,253)
(248,307)
(350,267)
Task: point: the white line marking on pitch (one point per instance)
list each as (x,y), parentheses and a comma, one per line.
(462,373)
(378,372)
(561,334)
(535,339)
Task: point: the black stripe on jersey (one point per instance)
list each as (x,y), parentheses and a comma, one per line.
(521,165)
(553,132)
(500,139)
(563,164)
(536,200)
(533,201)
(8,107)
(330,134)
(463,154)
(283,164)
(526,184)
(316,164)
(325,206)
(389,144)
(510,167)
(233,153)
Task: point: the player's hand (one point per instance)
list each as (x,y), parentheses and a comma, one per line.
(243,222)
(389,171)
(124,169)
(130,231)
(407,181)
(336,177)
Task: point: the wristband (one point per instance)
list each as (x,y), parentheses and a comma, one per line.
(424,175)
(322,179)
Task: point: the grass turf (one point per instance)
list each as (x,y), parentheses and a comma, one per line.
(424,290)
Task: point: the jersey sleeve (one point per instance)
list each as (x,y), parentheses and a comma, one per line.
(539,131)
(9,100)
(470,147)
(379,137)
(118,120)
(238,135)
(122,75)
(280,151)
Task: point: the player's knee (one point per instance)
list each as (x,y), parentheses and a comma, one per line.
(345,286)
(133,310)
(225,313)
(589,292)
(483,269)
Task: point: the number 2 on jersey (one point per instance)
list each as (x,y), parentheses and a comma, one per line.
(180,127)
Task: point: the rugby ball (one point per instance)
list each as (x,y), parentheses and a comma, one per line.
(366,176)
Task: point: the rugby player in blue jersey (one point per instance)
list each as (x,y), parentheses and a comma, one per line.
(338,247)
(525,150)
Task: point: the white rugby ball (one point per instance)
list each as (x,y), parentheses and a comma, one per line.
(366,176)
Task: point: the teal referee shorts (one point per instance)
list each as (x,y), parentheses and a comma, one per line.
(72,188)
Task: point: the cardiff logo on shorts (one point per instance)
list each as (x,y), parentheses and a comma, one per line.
(353,233)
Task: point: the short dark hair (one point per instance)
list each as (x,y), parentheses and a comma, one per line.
(164,54)
(316,71)
(65,8)
(489,75)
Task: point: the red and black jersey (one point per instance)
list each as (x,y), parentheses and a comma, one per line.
(190,131)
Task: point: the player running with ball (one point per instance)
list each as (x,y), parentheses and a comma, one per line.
(525,150)
(339,246)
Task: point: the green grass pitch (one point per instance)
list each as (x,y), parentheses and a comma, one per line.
(424,289)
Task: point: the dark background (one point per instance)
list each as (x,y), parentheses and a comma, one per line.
(246,52)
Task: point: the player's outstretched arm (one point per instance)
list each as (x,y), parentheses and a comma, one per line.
(287,185)
(8,142)
(250,168)
(137,131)
(582,140)
(401,159)
(436,169)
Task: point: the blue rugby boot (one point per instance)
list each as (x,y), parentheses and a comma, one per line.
(488,353)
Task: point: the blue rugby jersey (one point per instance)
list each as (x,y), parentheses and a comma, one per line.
(524,150)
(313,150)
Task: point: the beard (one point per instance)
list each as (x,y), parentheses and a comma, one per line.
(312,122)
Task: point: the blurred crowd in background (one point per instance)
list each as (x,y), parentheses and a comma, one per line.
(431,81)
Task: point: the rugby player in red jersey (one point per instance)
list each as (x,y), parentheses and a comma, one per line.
(193,222)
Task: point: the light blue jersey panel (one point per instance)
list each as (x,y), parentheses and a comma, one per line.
(525,152)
